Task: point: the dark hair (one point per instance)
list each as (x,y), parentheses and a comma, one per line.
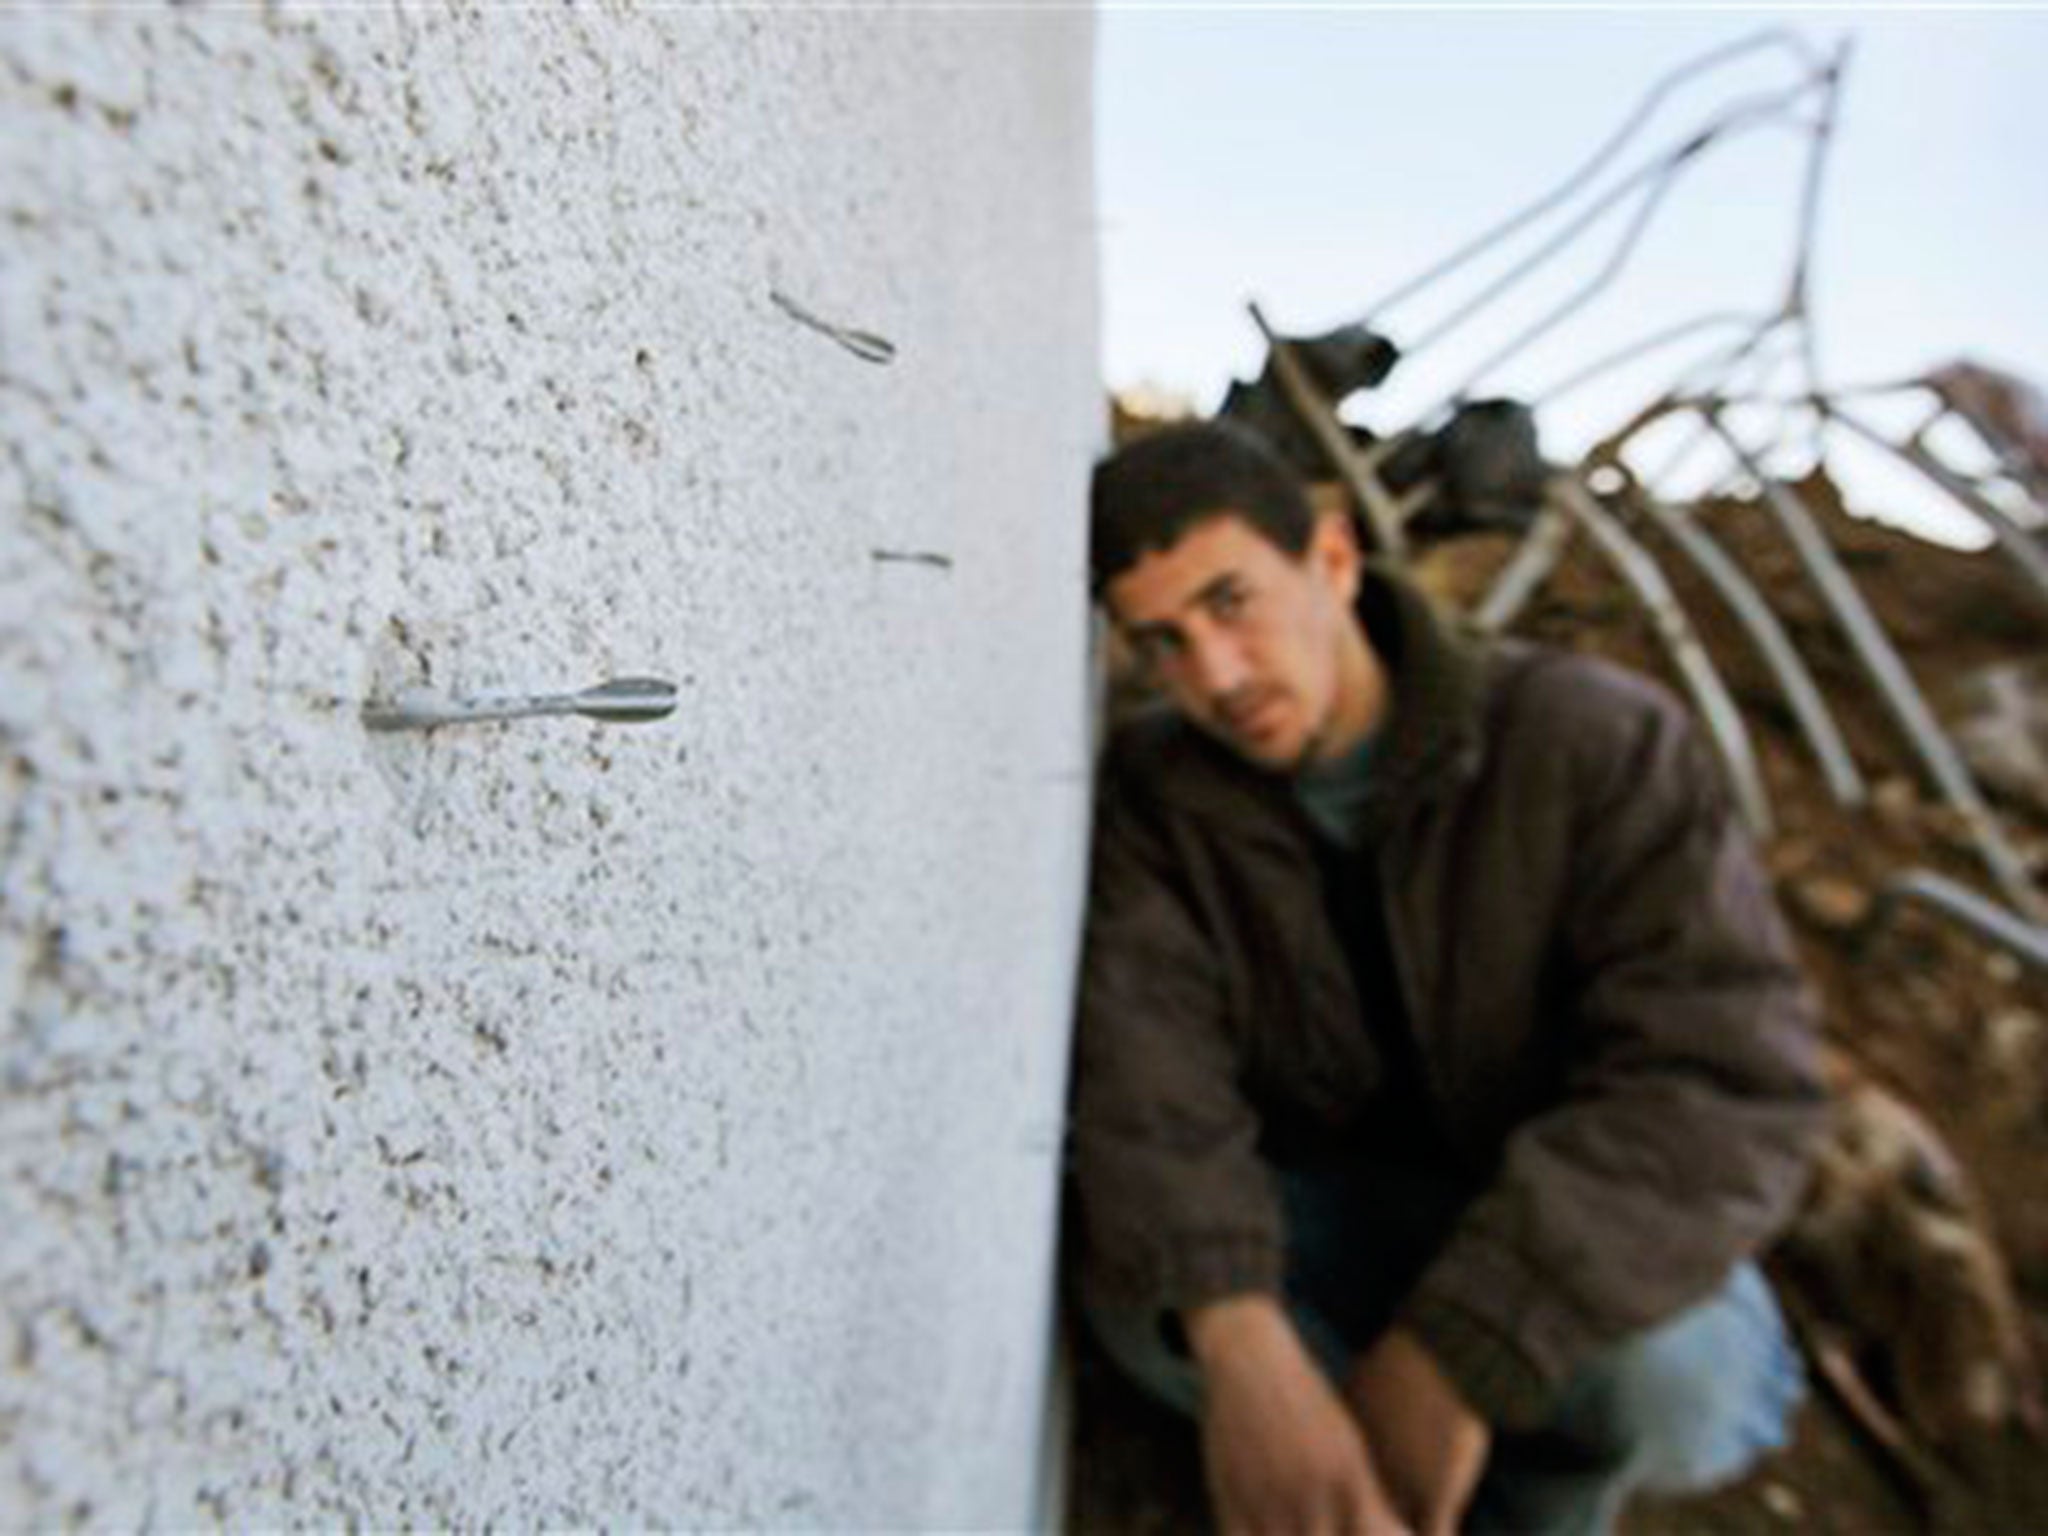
(1150,493)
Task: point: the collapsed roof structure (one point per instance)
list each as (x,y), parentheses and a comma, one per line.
(1471,461)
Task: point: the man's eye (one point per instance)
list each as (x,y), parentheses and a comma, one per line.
(1229,603)
(1155,648)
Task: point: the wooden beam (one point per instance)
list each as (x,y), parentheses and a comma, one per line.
(1382,515)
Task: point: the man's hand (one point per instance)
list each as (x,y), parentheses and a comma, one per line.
(1282,1454)
(1430,1447)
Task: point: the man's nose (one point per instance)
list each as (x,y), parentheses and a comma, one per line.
(1216,664)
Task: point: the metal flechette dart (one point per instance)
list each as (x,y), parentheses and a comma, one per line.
(622,700)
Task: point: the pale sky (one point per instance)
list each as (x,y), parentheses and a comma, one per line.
(1315,158)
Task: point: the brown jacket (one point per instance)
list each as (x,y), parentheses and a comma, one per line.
(1609,1021)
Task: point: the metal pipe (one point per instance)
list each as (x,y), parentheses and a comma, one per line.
(1561,193)
(1534,559)
(1802,694)
(2018,543)
(1798,287)
(1382,517)
(1657,180)
(1717,708)
(1645,108)
(1901,695)
(1642,347)
(1978,913)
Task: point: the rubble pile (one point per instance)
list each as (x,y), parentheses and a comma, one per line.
(1923,1253)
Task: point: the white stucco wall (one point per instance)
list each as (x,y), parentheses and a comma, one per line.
(549,1122)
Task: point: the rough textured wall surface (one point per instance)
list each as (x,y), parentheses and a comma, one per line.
(546,1122)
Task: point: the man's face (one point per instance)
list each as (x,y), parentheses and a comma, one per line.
(1249,642)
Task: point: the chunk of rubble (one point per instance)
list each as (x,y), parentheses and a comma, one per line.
(2000,722)
(1831,903)
(1895,1245)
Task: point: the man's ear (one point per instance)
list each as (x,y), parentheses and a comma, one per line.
(1333,550)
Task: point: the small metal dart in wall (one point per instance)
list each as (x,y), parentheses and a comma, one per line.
(622,700)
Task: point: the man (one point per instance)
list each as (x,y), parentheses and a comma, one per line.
(1441,1058)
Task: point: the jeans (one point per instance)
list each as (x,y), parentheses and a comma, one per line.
(1679,1408)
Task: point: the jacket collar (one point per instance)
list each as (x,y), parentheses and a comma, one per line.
(1430,740)
(1432,737)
